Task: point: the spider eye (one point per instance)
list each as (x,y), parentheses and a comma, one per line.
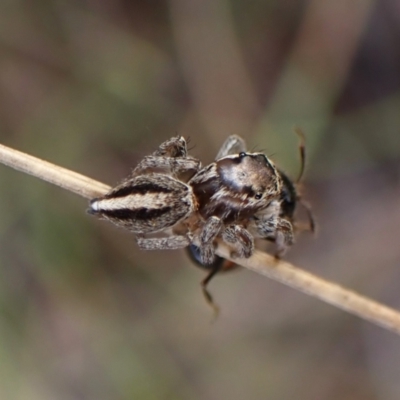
(242,154)
(258,196)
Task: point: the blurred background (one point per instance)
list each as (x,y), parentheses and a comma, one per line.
(94,86)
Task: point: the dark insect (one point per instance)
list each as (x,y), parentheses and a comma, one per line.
(289,198)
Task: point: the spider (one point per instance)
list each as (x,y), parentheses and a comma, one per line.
(234,199)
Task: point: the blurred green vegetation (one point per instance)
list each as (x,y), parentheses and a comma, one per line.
(94,86)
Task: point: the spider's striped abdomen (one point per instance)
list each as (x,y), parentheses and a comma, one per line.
(146,203)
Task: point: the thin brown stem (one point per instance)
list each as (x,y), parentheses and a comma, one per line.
(261,263)
(329,292)
(52,173)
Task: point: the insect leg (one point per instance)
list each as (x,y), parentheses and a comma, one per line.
(312,226)
(207,295)
(302,150)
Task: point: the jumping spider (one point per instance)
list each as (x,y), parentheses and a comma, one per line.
(234,199)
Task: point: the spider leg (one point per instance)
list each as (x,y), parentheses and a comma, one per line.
(173,164)
(174,147)
(284,237)
(241,238)
(209,232)
(171,157)
(275,229)
(168,243)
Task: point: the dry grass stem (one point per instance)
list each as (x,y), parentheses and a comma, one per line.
(332,293)
(260,262)
(54,174)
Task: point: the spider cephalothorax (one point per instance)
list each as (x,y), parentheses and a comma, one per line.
(234,187)
(228,193)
